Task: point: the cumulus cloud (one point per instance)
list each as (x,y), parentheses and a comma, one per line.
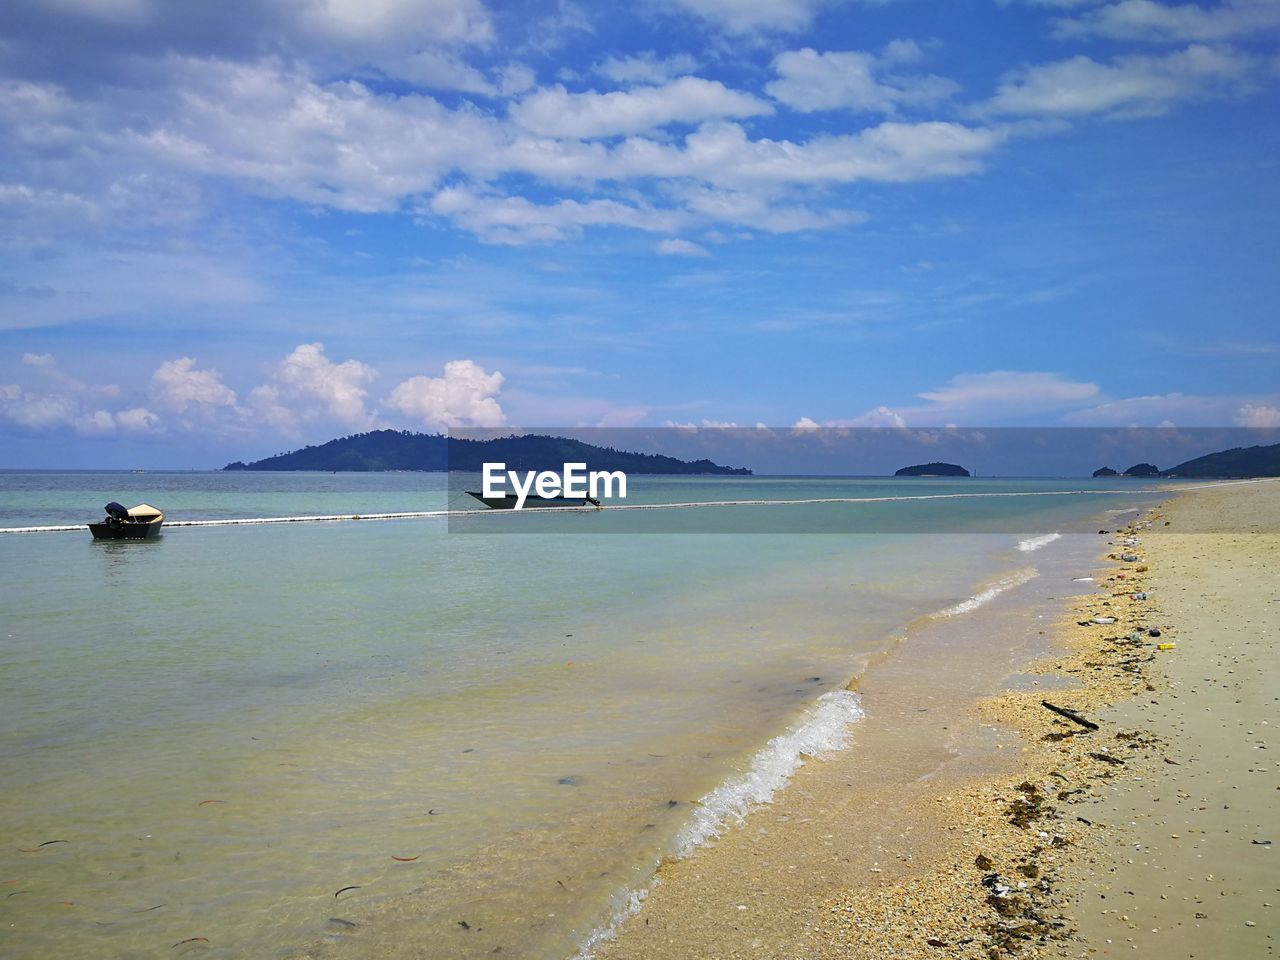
(465,396)
(1129,85)
(323,387)
(111,37)
(42,412)
(396,21)
(881,416)
(179,386)
(100,423)
(853,80)
(1257,415)
(34,410)
(1148,21)
(554,112)
(646,68)
(137,420)
(722,154)
(337,144)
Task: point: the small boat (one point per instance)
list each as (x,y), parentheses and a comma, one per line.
(509,501)
(135,523)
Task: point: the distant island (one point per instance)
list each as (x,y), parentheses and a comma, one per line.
(382,450)
(932,470)
(1236,462)
(1143,470)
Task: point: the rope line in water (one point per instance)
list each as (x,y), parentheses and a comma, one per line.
(428,514)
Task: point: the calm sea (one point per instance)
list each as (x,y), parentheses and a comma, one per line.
(387,739)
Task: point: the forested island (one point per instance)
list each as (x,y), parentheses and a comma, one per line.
(1236,462)
(932,470)
(381,450)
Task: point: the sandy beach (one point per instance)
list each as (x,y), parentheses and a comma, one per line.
(968,820)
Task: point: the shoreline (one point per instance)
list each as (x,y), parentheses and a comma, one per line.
(973,836)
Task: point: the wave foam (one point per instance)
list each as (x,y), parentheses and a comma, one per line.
(626,904)
(1035,543)
(824,730)
(1015,579)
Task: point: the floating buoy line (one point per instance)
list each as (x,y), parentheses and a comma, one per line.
(688,505)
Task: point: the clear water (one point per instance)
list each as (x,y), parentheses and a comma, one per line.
(229,725)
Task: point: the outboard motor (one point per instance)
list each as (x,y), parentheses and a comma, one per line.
(116,513)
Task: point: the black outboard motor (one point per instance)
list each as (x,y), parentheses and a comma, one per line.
(116,514)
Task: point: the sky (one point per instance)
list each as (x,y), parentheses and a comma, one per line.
(232,229)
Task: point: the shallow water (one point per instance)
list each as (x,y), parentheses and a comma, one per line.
(238,722)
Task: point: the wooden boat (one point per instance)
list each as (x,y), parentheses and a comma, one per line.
(509,501)
(135,523)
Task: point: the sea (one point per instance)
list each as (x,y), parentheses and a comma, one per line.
(406,738)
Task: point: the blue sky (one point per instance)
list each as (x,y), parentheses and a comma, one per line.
(230,229)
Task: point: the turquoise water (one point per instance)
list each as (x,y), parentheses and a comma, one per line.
(229,725)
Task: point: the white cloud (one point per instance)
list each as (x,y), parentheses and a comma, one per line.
(179,386)
(1253,415)
(553,111)
(1149,21)
(325,387)
(36,411)
(440,70)
(722,154)
(137,420)
(1186,410)
(994,395)
(750,16)
(646,67)
(98,423)
(270,128)
(811,81)
(394,21)
(881,416)
(41,412)
(675,247)
(77,390)
(337,144)
(759,210)
(515,220)
(465,396)
(101,423)
(266,406)
(1129,85)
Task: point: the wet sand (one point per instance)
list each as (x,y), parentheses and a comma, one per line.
(969,821)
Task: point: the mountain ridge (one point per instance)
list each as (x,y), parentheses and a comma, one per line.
(383,450)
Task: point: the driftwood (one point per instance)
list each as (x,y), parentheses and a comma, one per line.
(1107,758)
(1069,714)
